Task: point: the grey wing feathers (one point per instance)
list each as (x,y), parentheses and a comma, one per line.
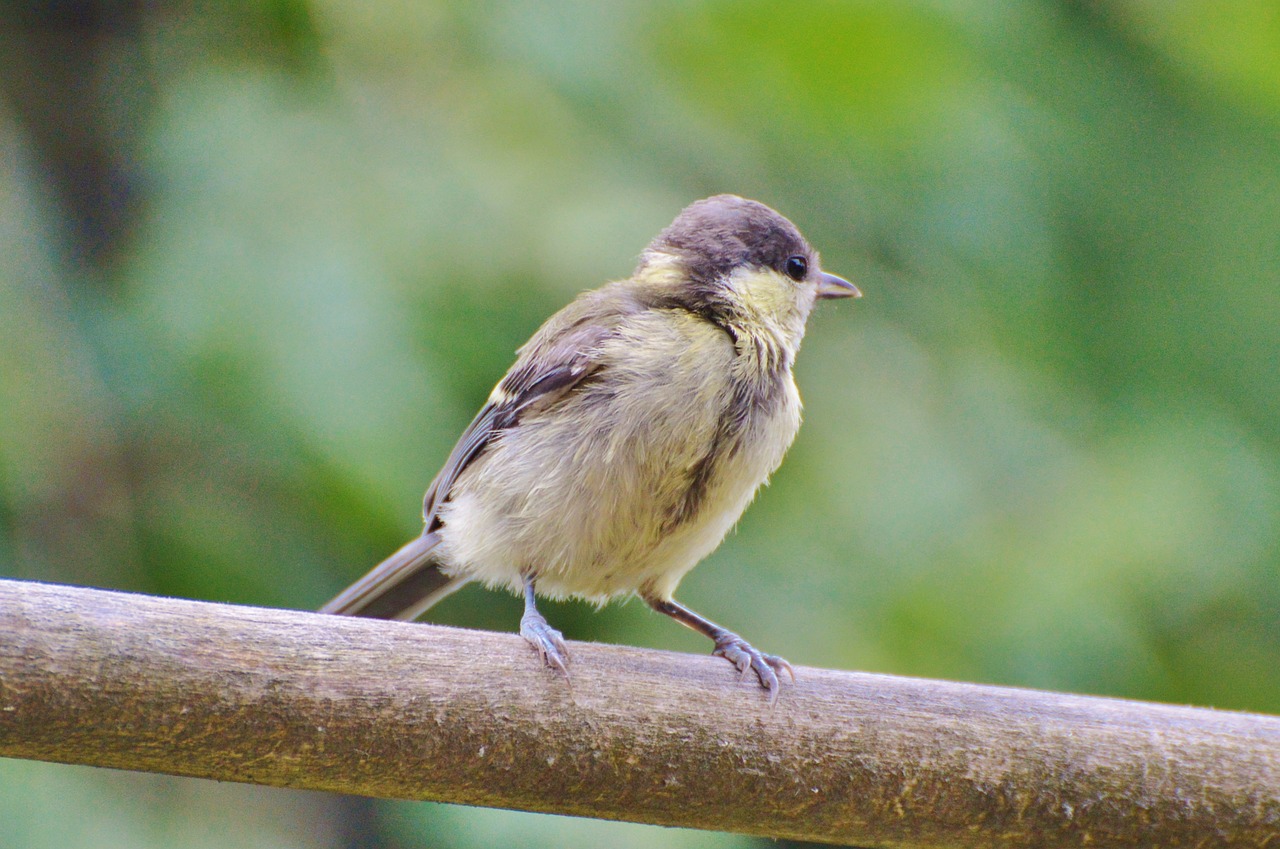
(471,443)
(559,357)
(494,417)
(545,372)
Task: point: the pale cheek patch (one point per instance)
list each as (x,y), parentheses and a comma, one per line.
(766,290)
(776,304)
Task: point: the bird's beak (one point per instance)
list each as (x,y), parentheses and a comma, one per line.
(830,286)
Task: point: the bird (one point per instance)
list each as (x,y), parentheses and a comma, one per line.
(628,437)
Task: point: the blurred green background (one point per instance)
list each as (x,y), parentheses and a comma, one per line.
(261,260)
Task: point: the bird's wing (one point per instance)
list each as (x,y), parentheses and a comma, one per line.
(555,361)
(558,358)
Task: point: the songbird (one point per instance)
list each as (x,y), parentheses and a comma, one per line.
(632,431)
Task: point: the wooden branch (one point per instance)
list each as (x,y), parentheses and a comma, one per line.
(414,711)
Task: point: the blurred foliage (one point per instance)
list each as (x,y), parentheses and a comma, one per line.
(260,260)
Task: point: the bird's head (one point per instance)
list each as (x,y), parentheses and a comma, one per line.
(742,261)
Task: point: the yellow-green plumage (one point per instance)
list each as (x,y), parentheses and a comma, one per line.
(632,431)
(589,494)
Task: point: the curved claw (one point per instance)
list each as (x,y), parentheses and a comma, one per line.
(750,659)
(547,641)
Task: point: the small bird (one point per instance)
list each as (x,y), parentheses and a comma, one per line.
(632,431)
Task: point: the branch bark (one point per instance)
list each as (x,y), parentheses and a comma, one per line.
(415,711)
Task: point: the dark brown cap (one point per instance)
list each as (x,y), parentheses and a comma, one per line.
(716,235)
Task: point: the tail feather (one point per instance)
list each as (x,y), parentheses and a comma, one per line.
(401,587)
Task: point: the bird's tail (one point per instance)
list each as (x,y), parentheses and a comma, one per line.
(401,587)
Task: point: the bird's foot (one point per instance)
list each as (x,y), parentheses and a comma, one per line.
(749,659)
(546,640)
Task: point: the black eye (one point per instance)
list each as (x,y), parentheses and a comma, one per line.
(797,267)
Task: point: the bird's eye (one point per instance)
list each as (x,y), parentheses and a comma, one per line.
(797,267)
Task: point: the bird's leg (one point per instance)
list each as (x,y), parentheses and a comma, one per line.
(729,646)
(534,628)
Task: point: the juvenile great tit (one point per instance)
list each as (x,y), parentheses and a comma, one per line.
(628,437)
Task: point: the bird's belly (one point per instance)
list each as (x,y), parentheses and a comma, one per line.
(630,481)
(593,513)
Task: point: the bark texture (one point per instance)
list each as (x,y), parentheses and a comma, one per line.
(414,711)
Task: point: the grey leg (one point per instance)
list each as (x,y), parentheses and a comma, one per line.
(730,646)
(544,638)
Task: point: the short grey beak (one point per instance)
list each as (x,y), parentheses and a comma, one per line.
(830,286)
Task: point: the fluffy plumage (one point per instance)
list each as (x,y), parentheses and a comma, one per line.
(632,431)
